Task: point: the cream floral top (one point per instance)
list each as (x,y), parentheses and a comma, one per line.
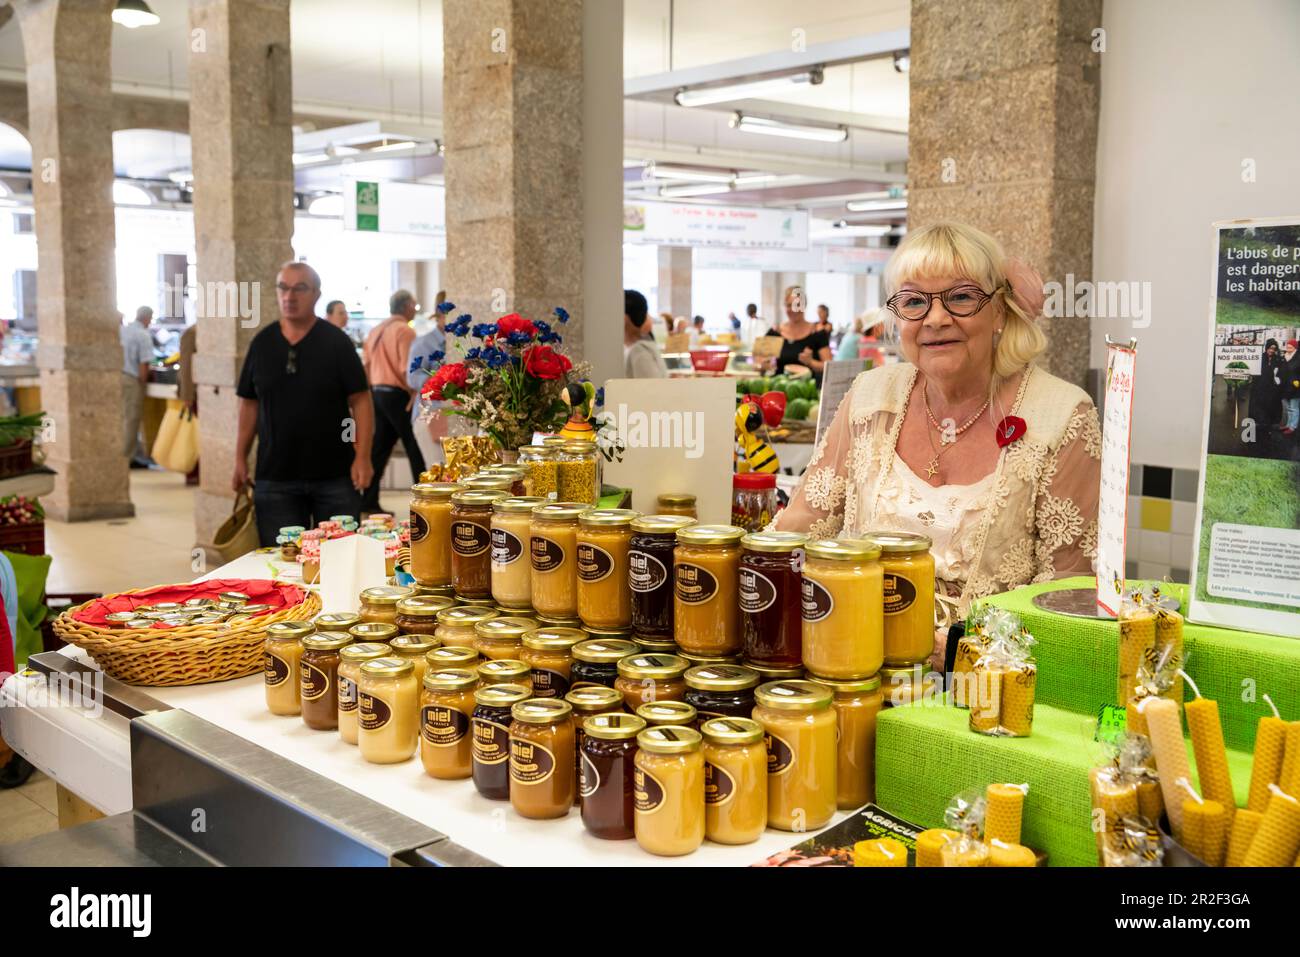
(1033,519)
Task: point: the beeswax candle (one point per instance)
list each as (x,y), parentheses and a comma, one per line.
(969,650)
(1116,798)
(1266,768)
(1288,777)
(1017,712)
(1277,841)
(1150,801)
(1166,732)
(885,852)
(985,698)
(1002,854)
(965,852)
(1137,635)
(1207,745)
(1002,816)
(1169,644)
(1205,827)
(1134,722)
(929,845)
(1244,825)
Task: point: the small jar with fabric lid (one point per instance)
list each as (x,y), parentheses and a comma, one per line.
(603,540)
(676,503)
(511,563)
(380,603)
(753,500)
(504,671)
(549,652)
(650,574)
(542,470)
(451,656)
(721,691)
(595,661)
(351,658)
(502,637)
(471,541)
(857,702)
(374,631)
(843,609)
(799,724)
(431,532)
(908,570)
(418,615)
(336,621)
(318,683)
(490,729)
(606,773)
(553,551)
(643,678)
(388,711)
(770,597)
(281,665)
(446,707)
(414,648)
(578,473)
(458,626)
(542,758)
(706,568)
(735,780)
(668,794)
(658,714)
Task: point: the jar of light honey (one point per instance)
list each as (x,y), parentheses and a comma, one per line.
(903,684)
(676,503)
(604,537)
(658,714)
(549,652)
(553,548)
(721,691)
(856,705)
(843,609)
(595,661)
(281,665)
(471,541)
(799,728)
(379,604)
(706,567)
(769,592)
(458,626)
(502,637)
(643,678)
(606,775)
(388,710)
(735,780)
(418,615)
(431,532)
(490,729)
(451,656)
(504,671)
(318,687)
(542,758)
(414,648)
(351,658)
(908,569)
(446,707)
(336,621)
(668,791)
(511,565)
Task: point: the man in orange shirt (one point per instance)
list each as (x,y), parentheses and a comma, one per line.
(386,356)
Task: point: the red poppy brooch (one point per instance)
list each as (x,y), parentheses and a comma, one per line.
(1011,429)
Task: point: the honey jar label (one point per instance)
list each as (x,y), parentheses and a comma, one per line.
(313,683)
(645,572)
(757,591)
(900,594)
(647,792)
(530,763)
(549,684)
(443,727)
(547,555)
(275,670)
(347,694)
(588,778)
(695,585)
(780,756)
(594,563)
(469,539)
(817,601)
(491,744)
(719,786)
(419,527)
(374,712)
(506,547)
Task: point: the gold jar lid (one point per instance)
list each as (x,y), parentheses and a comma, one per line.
(518,504)
(605,651)
(554,639)
(656,646)
(594,699)
(435,491)
(608,518)
(451,656)
(846,686)
(479,603)
(363,651)
(502,468)
(450,679)
(664,713)
(387,667)
(721,678)
(548,622)
(414,645)
(554,442)
(774,542)
(710,535)
(487,482)
(613,726)
(326,640)
(559,511)
(437,591)
(478,496)
(501,696)
(732,731)
(466,615)
(373,631)
(897,543)
(541,711)
(661,524)
(843,550)
(385,594)
(336,620)
(508,626)
(579,447)
(621,634)
(694,660)
(237,597)
(676,499)
(289,630)
(424,606)
(793,695)
(652,666)
(504,671)
(895,675)
(669,739)
(772,673)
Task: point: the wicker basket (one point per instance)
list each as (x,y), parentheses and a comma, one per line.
(188,655)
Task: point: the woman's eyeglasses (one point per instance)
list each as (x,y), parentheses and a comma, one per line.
(961,301)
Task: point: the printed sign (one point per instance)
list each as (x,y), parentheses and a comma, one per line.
(697,224)
(1112,504)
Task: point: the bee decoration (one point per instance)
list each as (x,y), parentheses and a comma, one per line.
(580,397)
(758,454)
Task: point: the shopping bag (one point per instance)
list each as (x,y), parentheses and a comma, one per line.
(171,422)
(177,445)
(238,534)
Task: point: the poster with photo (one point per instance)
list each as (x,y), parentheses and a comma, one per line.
(1246,567)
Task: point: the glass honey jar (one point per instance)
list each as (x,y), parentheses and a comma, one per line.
(374,631)
(511,562)
(504,671)
(542,470)
(517,474)
(595,661)
(446,707)
(502,637)
(351,658)
(542,758)
(336,621)
(549,652)
(659,714)
(388,711)
(843,609)
(553,548)
(908,584)
(676,503)
(451,656)
(769,592)
(643,678)
(490,729)
(458,626)
(379,604)
(856,704)
(471,541)
(578,473)
(414,648)
(903,684)
(799,728)
(650,574)
(655,646)
(489,482)
(706,569)
(318,683)
(603,540)
(721,691)
(281,665)
(418,615)
(668,791)
(431,532)
(735,780)
(587,703)
(606,773)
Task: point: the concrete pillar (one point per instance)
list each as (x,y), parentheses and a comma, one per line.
(533,119)
(68,47)
(675,280)
(1003,135)
(240,124)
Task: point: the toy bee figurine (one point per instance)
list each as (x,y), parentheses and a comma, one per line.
(580,397)
(759,456)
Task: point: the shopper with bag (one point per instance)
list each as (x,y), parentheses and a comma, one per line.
(387,356)
(305,398)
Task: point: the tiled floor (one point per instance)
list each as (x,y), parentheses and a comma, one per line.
(28,811)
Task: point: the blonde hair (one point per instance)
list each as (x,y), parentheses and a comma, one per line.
(792,291)
(956,249)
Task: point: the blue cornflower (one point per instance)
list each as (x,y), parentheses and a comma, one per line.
(600,396)
(542,326)
(562,314)
(437,356)
(496,358)
(459,326)
(549,337)
(446,307)
(519,338)
(484,329)
(474,353)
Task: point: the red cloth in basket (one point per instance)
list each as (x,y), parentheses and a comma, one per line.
(260,591)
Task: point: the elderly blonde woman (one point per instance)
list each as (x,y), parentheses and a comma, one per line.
(969,442)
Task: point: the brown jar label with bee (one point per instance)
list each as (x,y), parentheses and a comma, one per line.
(594,563)
(491,744)
(547,555)
(419,527)
(719,786)
(549,684)
(347,694)
(313,683)
(757,592)
(506,547)
(900,594)
(695,585)
(647,792)
(469,539)
(645,573)
(275,670)
(443,727)
(374,712)
(817,601)
(780,756)
(530,763)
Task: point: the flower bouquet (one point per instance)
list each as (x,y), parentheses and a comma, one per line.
(510,381)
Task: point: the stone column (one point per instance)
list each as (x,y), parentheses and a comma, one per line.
(532,94)
(1003,135)
(241,129)
(68,48)
(675,280)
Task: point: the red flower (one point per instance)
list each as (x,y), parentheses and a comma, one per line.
(543,362)
(515,323)
(1011,429)
(454,374)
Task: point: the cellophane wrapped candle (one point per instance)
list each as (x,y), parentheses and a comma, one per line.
(1001,688)
(965,852)
(1005,805)
(929,844)
(1211,754)
(1137,636)
(1244,825)
(965,816)
(1266,766)
(1277,842)
(1166,732)
(1115,796)
(1134,843)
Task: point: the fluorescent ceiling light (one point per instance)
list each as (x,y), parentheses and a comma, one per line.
(394,147)
(134,13)
(744,180)
(655,171)
(181,176)
(745,91)
(874,205)
(340,149)
(796,131)
(701,189)
(845,231)
(306,159)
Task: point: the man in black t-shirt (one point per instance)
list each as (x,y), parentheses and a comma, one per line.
(305,397)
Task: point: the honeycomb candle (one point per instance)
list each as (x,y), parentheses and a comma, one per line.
(1207,745)
(1266,768)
